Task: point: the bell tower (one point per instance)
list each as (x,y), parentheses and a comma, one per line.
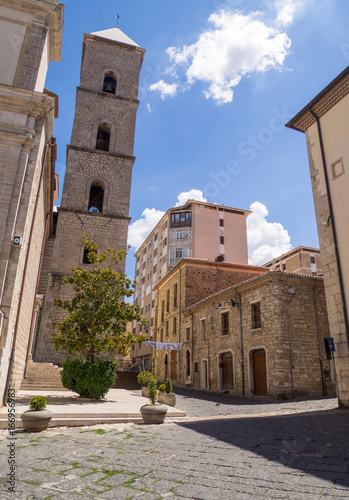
(96,192)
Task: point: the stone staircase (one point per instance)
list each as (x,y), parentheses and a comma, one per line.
(42,376)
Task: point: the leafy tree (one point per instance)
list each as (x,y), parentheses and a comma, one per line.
(97,315)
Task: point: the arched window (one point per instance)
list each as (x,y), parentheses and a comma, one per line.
(103,137)
(109,84)
(95,202)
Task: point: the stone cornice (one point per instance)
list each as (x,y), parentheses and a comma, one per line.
(94,214)
(100,152)
(53,11)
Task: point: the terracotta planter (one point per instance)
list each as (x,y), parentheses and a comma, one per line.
(168,399)
(36,421)
(145,391)
(154,414)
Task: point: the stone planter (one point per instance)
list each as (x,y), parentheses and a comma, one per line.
(168,399)
(145,391)
(36,421)
(154,414)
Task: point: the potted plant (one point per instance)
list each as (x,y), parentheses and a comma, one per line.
(37,418)
(153,413)
(144,378)
(166,395)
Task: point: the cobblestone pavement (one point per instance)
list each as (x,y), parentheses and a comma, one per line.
(271,453)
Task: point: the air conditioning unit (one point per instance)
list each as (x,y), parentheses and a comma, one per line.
(17,241)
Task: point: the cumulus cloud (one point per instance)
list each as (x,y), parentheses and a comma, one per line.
(149,108)
(165,89)
(236,46)
(140,229)
(266,240)
(193,194)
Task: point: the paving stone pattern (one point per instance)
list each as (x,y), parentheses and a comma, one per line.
(298,456)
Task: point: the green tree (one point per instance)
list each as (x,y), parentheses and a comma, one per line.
(97,315)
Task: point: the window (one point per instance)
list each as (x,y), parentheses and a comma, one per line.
(221,222)
(162,311)
(151,243)
(187,333)
(202,323)
(256,315)
(337,168)
(85,259)
(187,363)
(95,202)
(175,290)
(180,234)
(181,217)
(168,301)
(109,84)
(196,367)
(167,330)
(225,323)
(161,335)
(312,260)
(222,240)
(176,254)
(284,267)
(103,137)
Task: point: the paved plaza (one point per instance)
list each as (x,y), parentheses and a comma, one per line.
(226,448)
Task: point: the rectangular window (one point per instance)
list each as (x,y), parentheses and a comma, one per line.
(161,335)
(196,367)
(166,329)
(174,326)
(162,311)
(221,222)
(188,333)
(168,301)
(284,267)
(225,323)
(151,243)
(180,234)
(175,287)
(222,240)
(256,316)
(202,329)
(312,260)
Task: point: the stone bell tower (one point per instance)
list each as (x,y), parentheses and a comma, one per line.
(97,184)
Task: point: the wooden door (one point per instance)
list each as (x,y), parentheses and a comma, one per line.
(259,372)
(227,371)
(173,365)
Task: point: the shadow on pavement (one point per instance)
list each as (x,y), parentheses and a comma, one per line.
(314,442)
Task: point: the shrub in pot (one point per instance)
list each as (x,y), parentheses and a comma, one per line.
(153,413)
(90,379)
(144,378)
(37,418)
(166,394)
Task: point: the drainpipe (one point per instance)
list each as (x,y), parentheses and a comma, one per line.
(324,391)
(241,345)
(13,349)
(192,349)
(334,231)
(217,277)
(179,326)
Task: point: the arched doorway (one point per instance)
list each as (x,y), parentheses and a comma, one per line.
(226,371)
(259,370)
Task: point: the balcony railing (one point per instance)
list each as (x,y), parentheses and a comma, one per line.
(102,145)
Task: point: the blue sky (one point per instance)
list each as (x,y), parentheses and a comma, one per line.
(219,81)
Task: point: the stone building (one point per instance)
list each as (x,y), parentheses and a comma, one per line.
(96,193)
(197,229)
(261,337)
(30,37)
(324,121)
(300,260)
(186,284)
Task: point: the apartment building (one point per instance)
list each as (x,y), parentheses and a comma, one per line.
(300,260)
(324,121)
(197,229)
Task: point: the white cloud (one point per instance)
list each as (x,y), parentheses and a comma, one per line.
(165,89)
(140,229)
(266,240)
(237,46)
(149,108)
(193,194)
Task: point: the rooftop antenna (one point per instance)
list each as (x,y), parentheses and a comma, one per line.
(117,20)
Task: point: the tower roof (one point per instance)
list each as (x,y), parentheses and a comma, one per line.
(116,35)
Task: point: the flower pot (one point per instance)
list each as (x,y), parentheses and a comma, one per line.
(145,391)
(36,421)
(154,414)
(168,399)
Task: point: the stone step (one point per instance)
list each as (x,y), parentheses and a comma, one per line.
(42,376)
